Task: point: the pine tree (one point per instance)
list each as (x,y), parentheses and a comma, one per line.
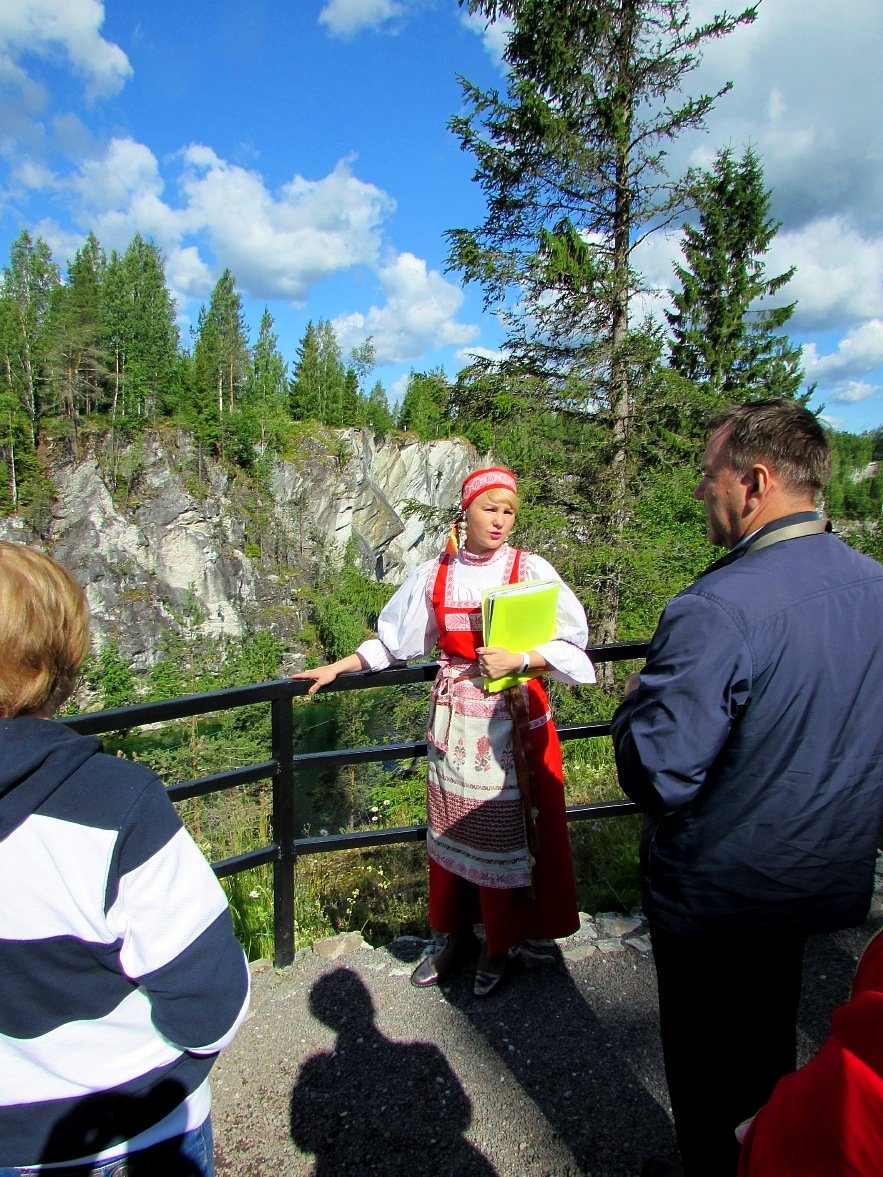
(722,337)
(114,317)
(218,373)
(222,345)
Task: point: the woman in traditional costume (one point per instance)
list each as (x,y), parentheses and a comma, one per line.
(497,839)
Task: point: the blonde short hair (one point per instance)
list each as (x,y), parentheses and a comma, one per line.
(44,631)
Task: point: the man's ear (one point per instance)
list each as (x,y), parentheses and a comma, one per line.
(760,480)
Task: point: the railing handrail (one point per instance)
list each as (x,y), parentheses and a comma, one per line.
(282,766)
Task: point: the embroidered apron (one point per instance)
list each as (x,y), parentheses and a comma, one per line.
(476,818)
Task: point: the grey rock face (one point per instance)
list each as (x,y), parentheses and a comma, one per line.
(240,555)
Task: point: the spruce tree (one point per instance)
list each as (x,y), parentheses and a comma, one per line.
(425,408)
(572,164)
(78,357)
(378,413)
(305,396)
(318,384)
(148,333)
(266,388)
(722,336)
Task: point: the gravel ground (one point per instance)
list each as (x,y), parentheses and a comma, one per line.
(345,1068)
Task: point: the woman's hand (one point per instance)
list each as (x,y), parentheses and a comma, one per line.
(497,662)
(320,676)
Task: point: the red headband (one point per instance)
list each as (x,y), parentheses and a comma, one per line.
(481,480)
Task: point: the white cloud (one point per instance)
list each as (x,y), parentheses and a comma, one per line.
(63,243)
(466,355)
(839,274)
(851,373)
(48,29)
(279,246)
(121,193)
(31,174)
(851,392)
(345,18)
(807,94)
(398,388)
(188,275)
(112,181)
(858,352)
(494,34)
(419,314)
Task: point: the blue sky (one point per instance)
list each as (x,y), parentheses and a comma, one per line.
(303,145)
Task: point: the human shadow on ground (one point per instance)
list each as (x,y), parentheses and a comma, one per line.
(587,1054)
(372,1105)
(583,1043)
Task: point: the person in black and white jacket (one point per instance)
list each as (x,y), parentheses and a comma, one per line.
(120,976)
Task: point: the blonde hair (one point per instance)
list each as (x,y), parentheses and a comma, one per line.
(499,494)
(44,631)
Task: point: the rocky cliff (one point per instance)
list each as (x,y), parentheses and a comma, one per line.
(242,547)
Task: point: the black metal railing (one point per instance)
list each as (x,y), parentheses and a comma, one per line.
(283,764)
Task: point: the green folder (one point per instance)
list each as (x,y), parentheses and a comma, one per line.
(518,617)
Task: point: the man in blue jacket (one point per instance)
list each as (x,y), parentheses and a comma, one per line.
(752,741)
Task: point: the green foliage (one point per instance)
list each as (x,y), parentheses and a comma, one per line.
(605,861)
(141,332)
(345,606)
(250,896)
(867,538)
(425,406)
(855,490)
(378,414)
(318,383)
(112,678)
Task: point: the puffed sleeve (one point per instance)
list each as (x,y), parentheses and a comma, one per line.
(406,627)
(566,652)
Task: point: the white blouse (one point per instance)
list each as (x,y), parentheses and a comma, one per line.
(407,628)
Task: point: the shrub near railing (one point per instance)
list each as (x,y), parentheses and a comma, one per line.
(280,848)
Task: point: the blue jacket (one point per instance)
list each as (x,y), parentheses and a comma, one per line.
(754,742)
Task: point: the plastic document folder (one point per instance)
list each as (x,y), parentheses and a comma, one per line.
(518,617)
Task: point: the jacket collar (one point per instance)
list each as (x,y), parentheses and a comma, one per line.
(744,546)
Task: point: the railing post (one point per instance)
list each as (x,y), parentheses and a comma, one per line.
(282,724)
